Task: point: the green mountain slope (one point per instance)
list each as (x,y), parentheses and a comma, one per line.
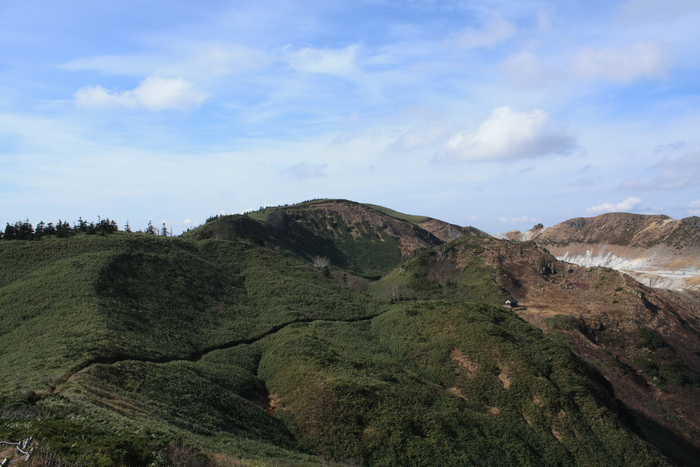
(356,238)
(227,347)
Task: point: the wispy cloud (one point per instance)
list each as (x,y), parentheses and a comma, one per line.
(651,10)
(182,58)
(419,136)
(153,93)
(623,206)
(621,65)
(694,208)
(526,69)
(674,146)
(304,170)
(508,134)
(495,31)
(519,220)
(338,62)
(673,174)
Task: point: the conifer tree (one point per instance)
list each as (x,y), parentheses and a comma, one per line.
(50,229)
(10,233)
(150,229)
(40,230)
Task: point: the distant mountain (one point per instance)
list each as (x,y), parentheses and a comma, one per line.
(657,250)
(363,239)
(338,333)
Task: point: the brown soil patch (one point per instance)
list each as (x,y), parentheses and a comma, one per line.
(464,363)
(368,434)
(557,435)
(457,392)
(505,378)
(274,403)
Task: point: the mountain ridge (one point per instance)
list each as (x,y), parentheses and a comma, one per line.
(657,250)
(233,344)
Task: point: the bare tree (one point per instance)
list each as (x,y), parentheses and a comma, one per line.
(320,262)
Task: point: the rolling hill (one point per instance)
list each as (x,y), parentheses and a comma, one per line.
(234,345)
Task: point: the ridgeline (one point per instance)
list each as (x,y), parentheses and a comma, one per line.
(337,333)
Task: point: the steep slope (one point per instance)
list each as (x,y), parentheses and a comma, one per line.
(657,250)
(365,240)
(645,341)
(442,230)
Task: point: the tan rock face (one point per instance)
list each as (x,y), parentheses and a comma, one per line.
(658,251)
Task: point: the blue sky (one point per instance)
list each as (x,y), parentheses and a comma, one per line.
(496,114)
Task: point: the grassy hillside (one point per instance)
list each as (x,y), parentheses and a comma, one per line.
(227,347)
(447,383)
(452,271)
(363,240)
(76,310)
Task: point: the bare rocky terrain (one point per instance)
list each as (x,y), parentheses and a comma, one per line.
(656,250)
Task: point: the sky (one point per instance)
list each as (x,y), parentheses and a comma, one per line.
(495,114)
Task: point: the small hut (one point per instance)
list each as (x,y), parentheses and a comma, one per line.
(511,302)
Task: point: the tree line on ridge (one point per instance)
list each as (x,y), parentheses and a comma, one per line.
(24,230)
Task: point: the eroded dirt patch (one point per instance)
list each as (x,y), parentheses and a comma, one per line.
(464,363)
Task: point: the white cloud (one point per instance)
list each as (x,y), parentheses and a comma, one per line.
(623,206)
(508,134)
(339,62)
(495,31)
(304,170)
(642,60)
(694,208)
(153,93)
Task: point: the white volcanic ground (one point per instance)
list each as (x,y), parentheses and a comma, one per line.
(656,267)
(660,266)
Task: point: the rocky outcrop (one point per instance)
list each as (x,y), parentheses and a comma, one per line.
(448,232)
(656,250)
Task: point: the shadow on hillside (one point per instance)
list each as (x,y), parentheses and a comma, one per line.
(676,449)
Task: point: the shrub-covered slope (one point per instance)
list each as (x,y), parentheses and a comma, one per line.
(645,341)
(228,347)
(357,238)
